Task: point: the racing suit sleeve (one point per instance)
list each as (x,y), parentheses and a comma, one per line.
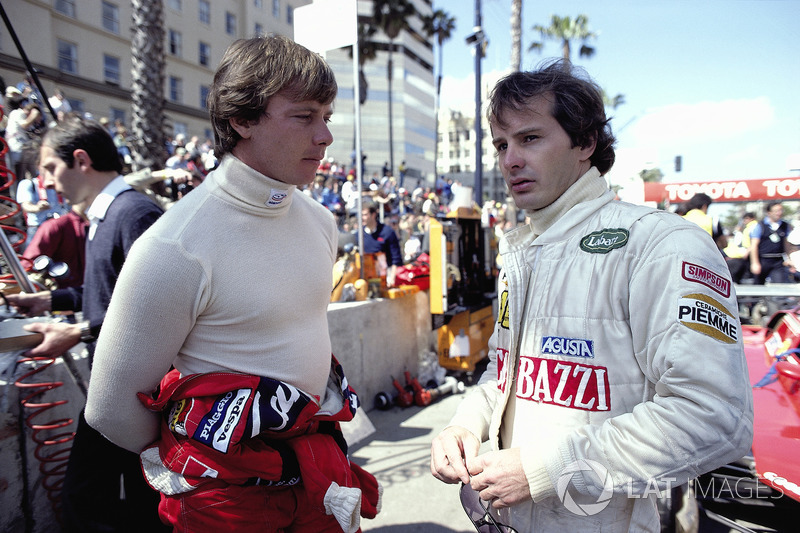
(475,410)
(697,411)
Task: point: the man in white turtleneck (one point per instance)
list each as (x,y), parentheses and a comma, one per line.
(616,368)
(235,282)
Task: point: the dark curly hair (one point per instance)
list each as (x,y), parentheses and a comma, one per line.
(577,105)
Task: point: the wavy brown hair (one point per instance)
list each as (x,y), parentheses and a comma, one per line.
(251,71)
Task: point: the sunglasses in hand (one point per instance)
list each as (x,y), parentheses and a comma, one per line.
(479,511)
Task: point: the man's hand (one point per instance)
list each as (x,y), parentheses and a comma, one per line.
(499,478)
(58,338)
(31,304)
(451,452)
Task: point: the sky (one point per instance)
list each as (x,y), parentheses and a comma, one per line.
(714,81)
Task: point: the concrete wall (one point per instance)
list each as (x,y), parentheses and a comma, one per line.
(373,340)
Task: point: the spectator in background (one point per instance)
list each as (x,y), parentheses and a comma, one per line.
(737,252)
(39,202)
(22,118)
(768,247)
(381,238)
(63,239)
(697,212)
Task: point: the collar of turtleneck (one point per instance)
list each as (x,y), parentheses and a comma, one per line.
(250,187)
(588,187)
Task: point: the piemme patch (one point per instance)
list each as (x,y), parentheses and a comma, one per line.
(565,346)
(706,315)
(605,240)
(709,278)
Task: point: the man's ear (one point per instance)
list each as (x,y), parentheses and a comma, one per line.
(588,150)
(82,158)
(242,126)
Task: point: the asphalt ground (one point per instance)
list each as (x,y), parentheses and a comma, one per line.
(398,454)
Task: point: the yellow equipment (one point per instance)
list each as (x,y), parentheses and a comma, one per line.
(462,289)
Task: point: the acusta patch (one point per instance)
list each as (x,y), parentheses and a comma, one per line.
(706,315)
(605,240)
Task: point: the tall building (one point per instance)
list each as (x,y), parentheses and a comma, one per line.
(456,158)
(413,95)
(83,48)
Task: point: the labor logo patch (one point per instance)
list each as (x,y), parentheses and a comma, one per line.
(605,240)
(706,315)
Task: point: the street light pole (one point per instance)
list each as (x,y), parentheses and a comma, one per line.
(478,31)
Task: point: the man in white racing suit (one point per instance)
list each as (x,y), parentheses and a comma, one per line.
(616,368)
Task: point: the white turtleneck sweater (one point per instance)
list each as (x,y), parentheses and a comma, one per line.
(236,276)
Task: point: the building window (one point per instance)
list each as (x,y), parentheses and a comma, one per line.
(204,11)
(175,89)
(180,127)
(204,97)
(66,7)
(111,17)
(205,54)
(111,69)
(258,3)
(175,43)
(67,57)
(276,8)
(290,14)
(117,115)
(76,105)
(259,29)
(175,4)
(230,23)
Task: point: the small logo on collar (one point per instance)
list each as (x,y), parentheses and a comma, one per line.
(605,240)
(276,197)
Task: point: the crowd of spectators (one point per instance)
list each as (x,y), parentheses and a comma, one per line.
(405,204)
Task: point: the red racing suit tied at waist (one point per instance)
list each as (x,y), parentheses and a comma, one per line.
(226,428)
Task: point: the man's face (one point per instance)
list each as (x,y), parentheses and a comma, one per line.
(368,219)
(56,174)
(536,155)
(775,213)
(288,141)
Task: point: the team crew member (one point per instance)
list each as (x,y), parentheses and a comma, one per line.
(190,298)
(104,489)
(768,246)
(381,238)
(594,382)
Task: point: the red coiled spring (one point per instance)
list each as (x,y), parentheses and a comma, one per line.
(53,439)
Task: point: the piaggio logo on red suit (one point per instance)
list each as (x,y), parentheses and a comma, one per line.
(563,383)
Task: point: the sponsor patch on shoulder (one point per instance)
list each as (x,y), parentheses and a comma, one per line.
(569,347)
(709,278)
(605,240)
(706,315)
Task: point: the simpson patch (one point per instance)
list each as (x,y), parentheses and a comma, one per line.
(709,278)
(605,240)
(704,314)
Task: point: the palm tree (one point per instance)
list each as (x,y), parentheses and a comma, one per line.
(392,16)
(566,30)
(440,24)
(516,34)
(147,94)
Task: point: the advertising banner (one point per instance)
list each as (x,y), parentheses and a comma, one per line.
(748,190)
